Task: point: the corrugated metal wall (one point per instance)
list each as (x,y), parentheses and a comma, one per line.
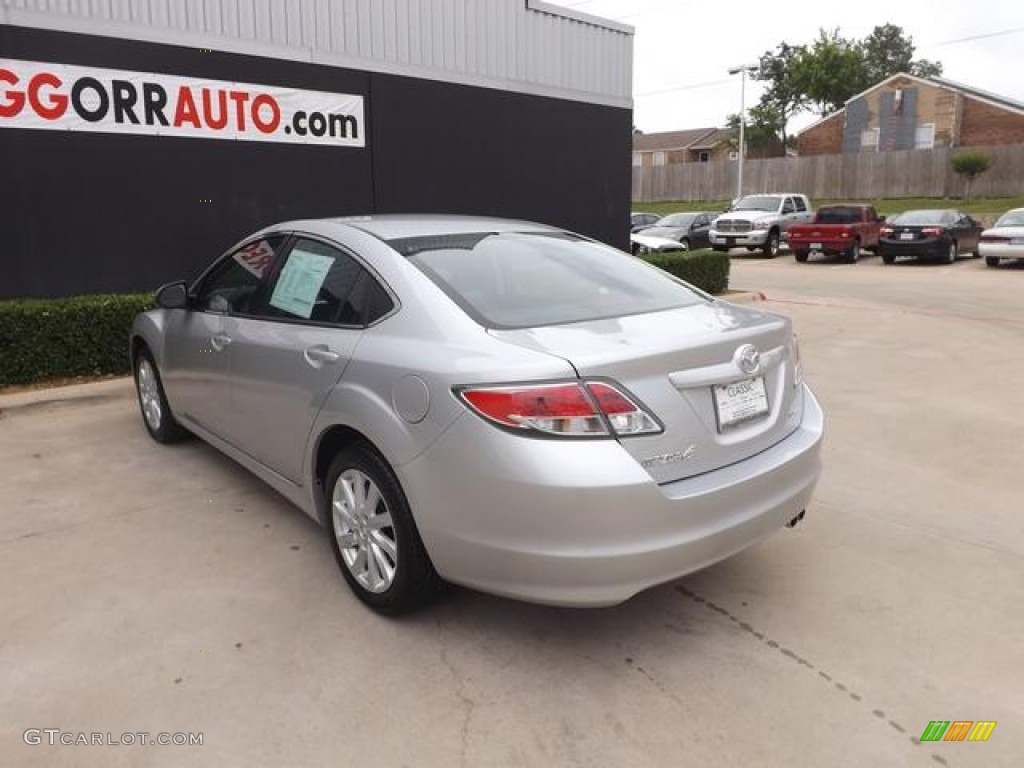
(522,45)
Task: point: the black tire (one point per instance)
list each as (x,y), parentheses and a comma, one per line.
(801,256)
(413,581)
(771,245)
(888,258)
(991,261)
(751,248)
(685,243)
(952,253)
(156,411)
(852,254)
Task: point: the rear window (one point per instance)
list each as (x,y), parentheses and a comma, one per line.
(1011,219)
(913,218)
(838,215)
(525,280)
(676,220)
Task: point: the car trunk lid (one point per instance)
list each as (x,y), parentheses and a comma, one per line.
(673,362)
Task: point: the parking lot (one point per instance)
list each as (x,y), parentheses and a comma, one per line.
(166,590)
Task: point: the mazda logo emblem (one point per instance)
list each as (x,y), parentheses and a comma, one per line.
(748,358)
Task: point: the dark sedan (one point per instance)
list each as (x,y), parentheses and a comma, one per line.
(689,229)
(940,234)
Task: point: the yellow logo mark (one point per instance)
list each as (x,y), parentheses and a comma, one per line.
(982,730)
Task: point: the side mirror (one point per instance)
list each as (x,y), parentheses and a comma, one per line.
(172,295)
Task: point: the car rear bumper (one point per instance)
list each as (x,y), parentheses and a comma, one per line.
(580,523)
(930,249)
(827,246)
(1001,250)
(754,237)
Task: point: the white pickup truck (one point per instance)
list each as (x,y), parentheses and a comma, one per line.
(760,222)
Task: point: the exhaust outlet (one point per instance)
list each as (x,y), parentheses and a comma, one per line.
(792,523)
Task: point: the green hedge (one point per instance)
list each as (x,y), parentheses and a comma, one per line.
(44,339)
(706,269)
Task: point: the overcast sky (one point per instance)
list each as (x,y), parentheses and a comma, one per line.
(683,49)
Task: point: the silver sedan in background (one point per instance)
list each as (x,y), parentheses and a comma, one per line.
(494,403)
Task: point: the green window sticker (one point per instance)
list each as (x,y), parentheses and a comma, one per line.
(300,282)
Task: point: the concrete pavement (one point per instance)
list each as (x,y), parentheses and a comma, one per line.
(164,589)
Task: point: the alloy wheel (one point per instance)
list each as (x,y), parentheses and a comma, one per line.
(365,531)
(149,395)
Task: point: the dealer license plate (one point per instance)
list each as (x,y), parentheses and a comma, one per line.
(740,401)
(907,236)
(815,246)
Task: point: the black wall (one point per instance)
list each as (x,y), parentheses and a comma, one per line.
(91,212)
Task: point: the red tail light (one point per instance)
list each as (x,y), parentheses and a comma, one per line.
(934,231)
(568,409)
(885,231)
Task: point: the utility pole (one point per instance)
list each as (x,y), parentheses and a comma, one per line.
(742,71)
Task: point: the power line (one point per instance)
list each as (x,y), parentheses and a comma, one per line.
(983,36)
(691,87)
(672,6)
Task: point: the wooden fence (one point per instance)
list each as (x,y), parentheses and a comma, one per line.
(905,173)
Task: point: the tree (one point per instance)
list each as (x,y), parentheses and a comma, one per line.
(761,132)
(784,97)
(888,50)
(970,164)
(825,74)
(830,72)
(926,68)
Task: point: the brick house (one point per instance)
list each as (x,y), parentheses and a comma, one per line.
(696,145)
(908,112)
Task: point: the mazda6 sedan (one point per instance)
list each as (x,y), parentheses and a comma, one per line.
(497,404)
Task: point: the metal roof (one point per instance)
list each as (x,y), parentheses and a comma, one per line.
(526,46)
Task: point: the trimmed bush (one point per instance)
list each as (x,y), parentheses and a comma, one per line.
(706,269)
(44,339)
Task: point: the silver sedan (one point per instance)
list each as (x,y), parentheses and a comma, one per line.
(494,403)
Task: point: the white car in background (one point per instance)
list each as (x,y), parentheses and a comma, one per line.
(1005,240)
(640,244)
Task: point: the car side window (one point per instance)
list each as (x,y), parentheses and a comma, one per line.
(700,221)
(323,284)
(787,207)
(230,286)
(801,206)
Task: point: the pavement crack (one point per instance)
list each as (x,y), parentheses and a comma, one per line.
(657,684)
(789,654)
(468,703)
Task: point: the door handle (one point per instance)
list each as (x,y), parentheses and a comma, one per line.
(320,354)
(219,341)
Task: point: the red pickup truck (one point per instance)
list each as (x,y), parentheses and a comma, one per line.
(837,229)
